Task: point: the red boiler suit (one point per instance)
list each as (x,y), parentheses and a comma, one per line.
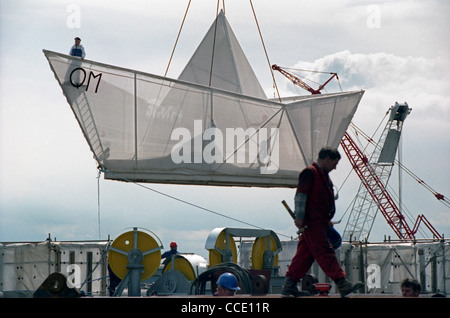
(313,243)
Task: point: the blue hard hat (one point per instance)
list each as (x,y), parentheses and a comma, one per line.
(229,281)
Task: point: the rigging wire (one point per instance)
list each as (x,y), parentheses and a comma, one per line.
(98,204)
(408,214)
(168,65)
(213,45)
(370,140)
(178,36)
(365,147)
(101,169)
(265,51)
(438,195)
(351,169)
(223,6)
(302,70)
(210,79)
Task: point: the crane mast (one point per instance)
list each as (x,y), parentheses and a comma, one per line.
(374,174)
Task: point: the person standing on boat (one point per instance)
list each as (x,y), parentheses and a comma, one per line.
(77,49)
(314,209)
(72,76)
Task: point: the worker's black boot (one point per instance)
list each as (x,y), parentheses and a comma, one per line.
(290,289)
(345,287)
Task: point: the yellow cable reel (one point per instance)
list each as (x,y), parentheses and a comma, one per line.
(125,243)
(265,252)
(182,265)
(221,246)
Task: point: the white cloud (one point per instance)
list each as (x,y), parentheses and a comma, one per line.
(382,70)
(388,78)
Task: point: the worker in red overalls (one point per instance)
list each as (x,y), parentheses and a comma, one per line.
(314,209)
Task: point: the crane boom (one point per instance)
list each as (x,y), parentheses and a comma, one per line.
(374,174)
(380,195)
(376,189)
(297,81)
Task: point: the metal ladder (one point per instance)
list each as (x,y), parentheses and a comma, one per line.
(89,128)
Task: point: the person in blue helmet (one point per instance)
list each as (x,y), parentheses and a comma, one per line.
(227,285)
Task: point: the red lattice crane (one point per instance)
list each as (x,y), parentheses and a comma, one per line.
(380,195)
(373,180)
(297,81)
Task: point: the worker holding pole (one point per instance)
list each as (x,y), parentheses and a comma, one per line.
(314,209)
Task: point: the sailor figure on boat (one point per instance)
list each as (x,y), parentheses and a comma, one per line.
(77,49)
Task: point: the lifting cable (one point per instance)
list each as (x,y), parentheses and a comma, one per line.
(212,61)
(213,45)
(265,52)
(98,203)
(178,36)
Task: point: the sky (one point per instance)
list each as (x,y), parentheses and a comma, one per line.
(397,51)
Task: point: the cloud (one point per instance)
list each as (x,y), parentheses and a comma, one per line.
(381,70)
(388,78)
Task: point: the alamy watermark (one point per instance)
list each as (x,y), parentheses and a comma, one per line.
(73,21)
(235,145)
(374,19)
(373,276)
(73,276)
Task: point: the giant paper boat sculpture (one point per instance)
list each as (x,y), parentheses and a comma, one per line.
(213,125)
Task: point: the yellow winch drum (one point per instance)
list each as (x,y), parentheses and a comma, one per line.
(222,247)
(181,264)
(265,252)
(122,249)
